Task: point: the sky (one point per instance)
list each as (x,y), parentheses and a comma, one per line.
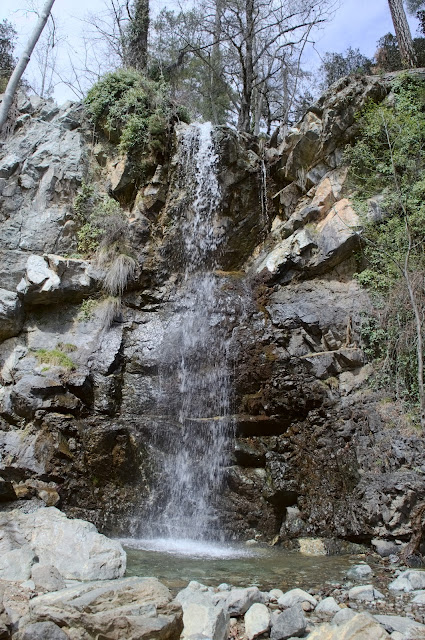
(357,24)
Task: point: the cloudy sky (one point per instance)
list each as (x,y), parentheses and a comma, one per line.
(357,23)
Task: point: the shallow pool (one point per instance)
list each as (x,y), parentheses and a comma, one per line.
(175,563)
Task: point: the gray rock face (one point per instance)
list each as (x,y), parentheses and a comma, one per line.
(290,623)
(11,314)
(73,547)
(128,608)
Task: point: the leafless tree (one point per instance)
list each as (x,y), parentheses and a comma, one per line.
(13,83)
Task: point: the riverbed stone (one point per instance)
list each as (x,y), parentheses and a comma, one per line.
(408,581)
(359,572)
(365,593)
(297,596)
(257,620)
(289,623)
(203,613)
(343,615)
(361,627)
(401,624)
(131,608)
(327,607)
(240,600)
(73,547)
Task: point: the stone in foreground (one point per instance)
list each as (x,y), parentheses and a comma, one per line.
(291,623)
(42,631)
(202,614)
(257,620)
(365,593)
(328,607)
(403,625)
(296,596)
(73,547)
(130,608)
(360,627)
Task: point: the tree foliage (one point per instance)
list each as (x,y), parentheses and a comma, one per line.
(388,57)
(389,159)
(7,60)
(338,65)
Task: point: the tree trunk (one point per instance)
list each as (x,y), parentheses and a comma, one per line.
(244,123)
(138,36)
(13,83)
(402,31)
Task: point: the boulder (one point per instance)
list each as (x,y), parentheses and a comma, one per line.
(327,607)
(257,620)
(239,601)
(291,623)
(203,614)
(343,615)
(73,547)
(365,593)
(131,608)
(408,581)
(359,572)
(386,548)
(360,627)
(401,624)
(296,596)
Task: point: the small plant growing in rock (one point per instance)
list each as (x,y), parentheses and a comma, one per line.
(87,309)
(55,358)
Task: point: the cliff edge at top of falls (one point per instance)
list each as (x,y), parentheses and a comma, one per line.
(317,452)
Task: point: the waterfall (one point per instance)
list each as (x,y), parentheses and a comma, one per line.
(196,393)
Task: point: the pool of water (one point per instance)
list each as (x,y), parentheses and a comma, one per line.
(175,563)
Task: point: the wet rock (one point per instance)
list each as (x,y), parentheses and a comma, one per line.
(365,593)
(257,620)
(203,614)
(127,608)
(296,596)
(73,547)
(289,623)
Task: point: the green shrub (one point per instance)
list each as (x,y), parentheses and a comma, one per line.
(134,110)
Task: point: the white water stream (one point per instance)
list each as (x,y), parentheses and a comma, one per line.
(195,360)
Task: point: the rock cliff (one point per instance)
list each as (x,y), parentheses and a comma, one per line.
(317,452)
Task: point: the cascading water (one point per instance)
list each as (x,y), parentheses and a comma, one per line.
(196,378)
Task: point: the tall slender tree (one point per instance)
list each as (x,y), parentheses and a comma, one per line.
(13,83)
(402,31)
(137,36)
